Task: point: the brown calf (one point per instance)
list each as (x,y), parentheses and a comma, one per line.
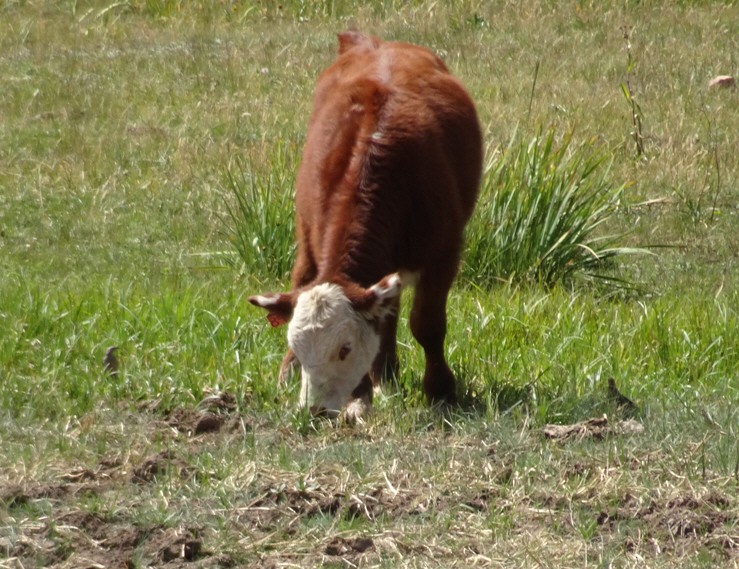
(388,179)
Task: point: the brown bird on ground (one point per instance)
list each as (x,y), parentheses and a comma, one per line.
(619,398)
(110,361)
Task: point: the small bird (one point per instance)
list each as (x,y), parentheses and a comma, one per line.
(619,398)
(110,361)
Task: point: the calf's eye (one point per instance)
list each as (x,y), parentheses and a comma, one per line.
(344,351)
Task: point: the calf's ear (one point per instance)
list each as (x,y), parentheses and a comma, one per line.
(381,299)
(279,306)
(352,38)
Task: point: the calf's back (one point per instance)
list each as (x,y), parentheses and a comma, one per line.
(390,168)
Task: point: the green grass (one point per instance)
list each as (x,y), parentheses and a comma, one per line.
(260,222)
(132,133)
(539,213)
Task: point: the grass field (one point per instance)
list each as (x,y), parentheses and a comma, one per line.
(125,128)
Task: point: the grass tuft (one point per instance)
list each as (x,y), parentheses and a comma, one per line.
(541,210)
(260,217)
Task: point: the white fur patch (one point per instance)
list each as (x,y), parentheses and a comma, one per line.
(356,411)
(266,300)
(324,322)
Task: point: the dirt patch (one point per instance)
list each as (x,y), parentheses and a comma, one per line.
(16,496)
(689,516)
(77,538)
(214,414)
(75,483)
(107,469)
(19,496)
(112,545)
(86,539)
(277,506)
(61,532)
(683,522)
(338,551)
(193,422)
(93,524)
(286,502)
(161,464)
(480,501)
(340,546)
(277,517)
(168,545)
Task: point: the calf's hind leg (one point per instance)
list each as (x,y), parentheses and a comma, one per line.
(428,324)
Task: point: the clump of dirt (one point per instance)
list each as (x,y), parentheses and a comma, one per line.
(303,502)
(480,502)
(578,470)
(16,496)
(216,413)
(165,462)
(339,546)
(222,401)
(195,422)
(167,545)
(106,470)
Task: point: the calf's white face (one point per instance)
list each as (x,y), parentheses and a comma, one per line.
(335,338)
(334,344)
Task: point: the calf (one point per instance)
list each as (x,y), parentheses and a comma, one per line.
(388,179)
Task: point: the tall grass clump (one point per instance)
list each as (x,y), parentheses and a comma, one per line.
(541,207)
(260,213)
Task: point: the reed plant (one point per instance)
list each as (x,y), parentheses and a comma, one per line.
(260,213)
(543,208)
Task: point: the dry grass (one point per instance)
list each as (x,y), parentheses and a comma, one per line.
(169,488)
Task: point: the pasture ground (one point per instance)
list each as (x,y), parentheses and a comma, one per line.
(121,124)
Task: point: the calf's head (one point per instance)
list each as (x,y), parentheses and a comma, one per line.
(334,330)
